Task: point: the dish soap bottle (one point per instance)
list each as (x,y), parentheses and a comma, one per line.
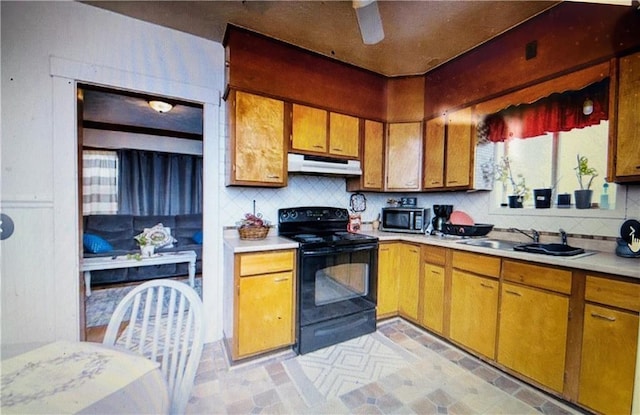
(604,197)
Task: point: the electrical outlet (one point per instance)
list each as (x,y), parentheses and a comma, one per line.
(531,50)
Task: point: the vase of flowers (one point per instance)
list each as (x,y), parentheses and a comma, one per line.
(584,194)
(519,189)
(147,249)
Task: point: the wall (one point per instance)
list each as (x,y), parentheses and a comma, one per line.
(46,46)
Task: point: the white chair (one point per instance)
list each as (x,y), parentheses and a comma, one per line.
(163,320)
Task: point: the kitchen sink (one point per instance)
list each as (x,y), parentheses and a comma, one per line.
(491,243)
(549,249)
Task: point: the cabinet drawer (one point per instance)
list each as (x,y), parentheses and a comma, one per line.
(552,279)
(434,254)
(613,292)
(478,264)
(264,263)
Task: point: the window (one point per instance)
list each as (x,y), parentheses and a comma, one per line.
(548,161)
(99,182)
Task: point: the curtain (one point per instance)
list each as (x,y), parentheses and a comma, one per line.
(153,183)
(99,182)
(555,113)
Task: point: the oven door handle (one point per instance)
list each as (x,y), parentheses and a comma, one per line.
(339,250)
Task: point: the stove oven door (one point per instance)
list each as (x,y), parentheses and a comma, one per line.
(337,294)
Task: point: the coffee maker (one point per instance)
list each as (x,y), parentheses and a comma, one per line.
(441,215)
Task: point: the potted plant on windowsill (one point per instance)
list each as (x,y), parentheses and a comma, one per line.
(519,189)
(584,194)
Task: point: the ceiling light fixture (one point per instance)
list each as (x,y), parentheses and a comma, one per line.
(369,21)
(160,106)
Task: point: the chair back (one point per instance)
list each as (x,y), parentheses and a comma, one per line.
(162,320)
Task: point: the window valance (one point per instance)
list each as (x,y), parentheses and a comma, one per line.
(557,112)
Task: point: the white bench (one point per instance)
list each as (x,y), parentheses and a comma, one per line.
(123,261)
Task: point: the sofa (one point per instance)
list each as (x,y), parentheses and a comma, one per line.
(118,232)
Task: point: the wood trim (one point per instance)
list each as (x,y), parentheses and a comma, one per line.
(573,81)
(574,337)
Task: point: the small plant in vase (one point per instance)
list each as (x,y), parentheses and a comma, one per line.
(519,190)
(147,249)
(584,194)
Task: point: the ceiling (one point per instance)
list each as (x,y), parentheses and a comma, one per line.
(419,35)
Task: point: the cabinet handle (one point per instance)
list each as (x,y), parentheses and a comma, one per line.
(452,181)
(411,183)
(486,285)
(281,279)
(513,293)
(273,176)
(436,182)
(600,316)
(337,149)
(317,146)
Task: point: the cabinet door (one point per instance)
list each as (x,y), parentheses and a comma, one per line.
(459,148)
(344,135)
(265,312)
(434,154)
(433,297)
(533,329)
(309,129)
(628,136)
(409,295)
(609,345)
(372,163)
(474,312)
(387,281)
(258,142)
(404,156)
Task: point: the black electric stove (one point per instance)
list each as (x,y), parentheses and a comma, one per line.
(337,276)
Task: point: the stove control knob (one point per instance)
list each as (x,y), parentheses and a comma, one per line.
(294,214)
(339,213)
(284,215)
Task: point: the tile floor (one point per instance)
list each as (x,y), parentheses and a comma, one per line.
(265,387)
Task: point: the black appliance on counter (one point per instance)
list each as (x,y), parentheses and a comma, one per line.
(336,279)
(441,214)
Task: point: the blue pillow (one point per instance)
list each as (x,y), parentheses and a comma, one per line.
(197,237)
(95,244)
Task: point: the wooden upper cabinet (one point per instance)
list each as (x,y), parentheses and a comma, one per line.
(344,135)
(309,129)
(459,148)
(404,156)
(372,158)
(257,141)
(434,153)
(627,160)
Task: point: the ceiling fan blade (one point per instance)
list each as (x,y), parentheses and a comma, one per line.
(369,21)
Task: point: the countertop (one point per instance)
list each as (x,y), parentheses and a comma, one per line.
(604,261)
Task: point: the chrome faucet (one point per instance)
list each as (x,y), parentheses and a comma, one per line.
(563,235)
(535,237)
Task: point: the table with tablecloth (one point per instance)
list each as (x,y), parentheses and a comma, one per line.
(81,377)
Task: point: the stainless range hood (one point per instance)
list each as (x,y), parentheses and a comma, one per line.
(299,163)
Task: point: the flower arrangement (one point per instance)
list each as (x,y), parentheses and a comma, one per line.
(582,170)
(253,226)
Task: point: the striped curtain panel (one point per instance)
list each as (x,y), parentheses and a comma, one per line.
(99,182)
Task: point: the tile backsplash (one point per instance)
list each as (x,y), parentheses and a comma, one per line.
(331,191)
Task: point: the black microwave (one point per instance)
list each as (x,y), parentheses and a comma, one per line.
(404,219)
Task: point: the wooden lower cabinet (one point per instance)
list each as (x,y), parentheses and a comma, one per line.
(474,312)
(408,267)
(387,280)
(609,345)
(432,289)
(264,305)
(533,333)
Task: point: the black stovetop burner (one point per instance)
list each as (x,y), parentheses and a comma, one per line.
(319,226)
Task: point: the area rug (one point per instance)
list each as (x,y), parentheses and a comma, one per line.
(327,373)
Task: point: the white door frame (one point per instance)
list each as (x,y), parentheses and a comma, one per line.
(66,74)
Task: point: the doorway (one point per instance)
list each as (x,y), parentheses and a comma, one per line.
(121,125)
